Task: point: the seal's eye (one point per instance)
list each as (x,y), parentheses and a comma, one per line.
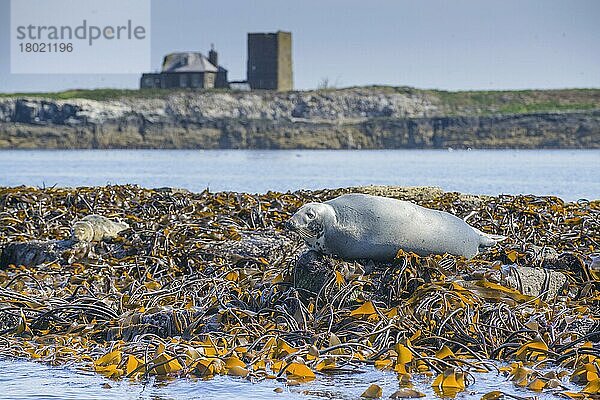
(310,214)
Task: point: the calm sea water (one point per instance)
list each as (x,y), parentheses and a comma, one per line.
(565,173)
(570,174)
(24,380)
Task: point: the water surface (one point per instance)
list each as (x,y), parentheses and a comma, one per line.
(570,174)
(26,380)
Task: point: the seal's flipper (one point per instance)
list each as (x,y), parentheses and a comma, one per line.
(488,239)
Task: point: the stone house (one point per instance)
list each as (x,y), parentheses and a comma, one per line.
(187,70)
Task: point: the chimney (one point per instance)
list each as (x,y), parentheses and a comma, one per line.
(213,57)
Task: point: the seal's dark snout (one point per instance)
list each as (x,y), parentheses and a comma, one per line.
(289,225)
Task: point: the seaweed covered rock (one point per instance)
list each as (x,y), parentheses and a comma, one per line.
(208,283)
(164,322)
(319,276)
(35,252)
(256,244)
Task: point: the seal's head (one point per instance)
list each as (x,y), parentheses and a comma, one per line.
(310,222)
(82,231)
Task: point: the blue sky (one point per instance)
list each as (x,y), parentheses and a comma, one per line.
(454,45)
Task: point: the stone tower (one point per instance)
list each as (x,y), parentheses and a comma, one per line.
(270,61)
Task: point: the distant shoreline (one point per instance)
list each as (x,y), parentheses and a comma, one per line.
(351,118)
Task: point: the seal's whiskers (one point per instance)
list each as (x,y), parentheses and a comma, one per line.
(304,233)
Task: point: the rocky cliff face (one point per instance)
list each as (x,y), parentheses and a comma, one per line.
(351,118)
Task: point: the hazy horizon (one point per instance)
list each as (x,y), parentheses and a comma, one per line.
(433,44)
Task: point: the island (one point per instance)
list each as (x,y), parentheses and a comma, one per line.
(376,117)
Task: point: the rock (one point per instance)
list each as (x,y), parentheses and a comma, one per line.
(37,252)
(161,321)
(539,255)
(594,264)
(312,271)
(531,281)
(368,118)
(34,253)
(314,274)
(171,190)
(267,244)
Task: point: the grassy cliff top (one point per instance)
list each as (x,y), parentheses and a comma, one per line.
(470,102)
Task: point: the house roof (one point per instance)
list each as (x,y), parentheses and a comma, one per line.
(187,62)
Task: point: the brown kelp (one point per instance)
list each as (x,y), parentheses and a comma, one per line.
(209,283)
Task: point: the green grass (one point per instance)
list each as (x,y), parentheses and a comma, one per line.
(104,94)
(517,101)
(545,107)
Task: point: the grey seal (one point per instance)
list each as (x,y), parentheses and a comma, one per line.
(355,226)
(95,228)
